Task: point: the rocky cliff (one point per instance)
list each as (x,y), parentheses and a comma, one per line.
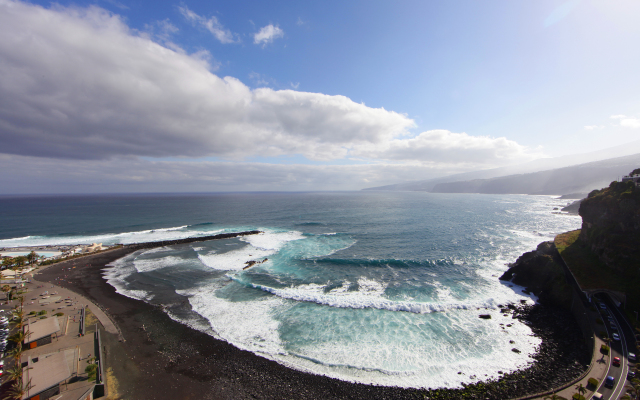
(540,271)
(611,226)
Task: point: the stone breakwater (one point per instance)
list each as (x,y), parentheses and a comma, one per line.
(150,245)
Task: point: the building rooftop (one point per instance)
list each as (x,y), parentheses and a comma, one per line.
(46,372)
(40,328)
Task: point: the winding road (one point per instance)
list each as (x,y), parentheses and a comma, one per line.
(620,348)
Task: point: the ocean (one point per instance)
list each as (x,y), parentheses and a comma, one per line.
(381,288)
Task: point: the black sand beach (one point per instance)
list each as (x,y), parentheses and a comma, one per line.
(162,359)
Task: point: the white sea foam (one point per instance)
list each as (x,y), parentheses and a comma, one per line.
(148,235)
(234,259)
(259,247)
(272,241)
(247,325)
(148,265)
(118,271)
(371,295)
(405,350)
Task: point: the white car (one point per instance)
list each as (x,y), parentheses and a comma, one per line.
(616,337)
(632,357)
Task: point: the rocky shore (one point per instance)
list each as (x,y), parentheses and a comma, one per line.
(162,359)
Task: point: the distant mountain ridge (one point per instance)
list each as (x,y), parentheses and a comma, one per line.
(581,178)
(545,164)
(575,179)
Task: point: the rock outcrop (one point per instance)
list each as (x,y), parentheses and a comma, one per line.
(541,272)
(611,229)
(611,225)
(573,208)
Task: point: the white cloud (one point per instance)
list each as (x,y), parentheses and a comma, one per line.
(211,24)
(629,122)
(593,127)
(451,148)
(77,83)
(300,22)
(267,34)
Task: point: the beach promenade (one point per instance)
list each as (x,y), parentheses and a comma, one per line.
(599,369)
(73,351)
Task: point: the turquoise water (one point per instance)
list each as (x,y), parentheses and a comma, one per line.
(381,288)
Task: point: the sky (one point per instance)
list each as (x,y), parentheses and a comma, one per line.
(112,96)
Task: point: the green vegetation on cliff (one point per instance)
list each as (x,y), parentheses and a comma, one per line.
(611,230)
(586,267)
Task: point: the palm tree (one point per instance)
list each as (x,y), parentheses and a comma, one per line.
(18,265)
(14,372)
(7,262)
(18,390)
(581,389)
(6,289)
(32,257)
(635,387)
(18,318)
(553,397)
(16,354)
(17,338)
(627,396)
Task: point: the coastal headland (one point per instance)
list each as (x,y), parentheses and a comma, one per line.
(163,359)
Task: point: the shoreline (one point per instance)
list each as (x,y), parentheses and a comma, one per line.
(191,364)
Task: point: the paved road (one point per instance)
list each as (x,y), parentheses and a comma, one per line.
(618,349)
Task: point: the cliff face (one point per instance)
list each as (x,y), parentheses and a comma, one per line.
(611,226)
(540,271)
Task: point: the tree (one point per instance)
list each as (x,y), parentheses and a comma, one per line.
(581,389)
(16,354)
(7,262)
(14,372)
(6,289)
(92,371)
(17,338)
(18,390)
(18,317)
(553,397)
(32,257)
(20,261)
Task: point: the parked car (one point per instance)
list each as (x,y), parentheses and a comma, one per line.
(616,361)
(632,357)
(631,375)
(609,381)
(616,337)
(602,306)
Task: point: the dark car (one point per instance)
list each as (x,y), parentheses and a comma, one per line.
(609,381)
(631,375)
